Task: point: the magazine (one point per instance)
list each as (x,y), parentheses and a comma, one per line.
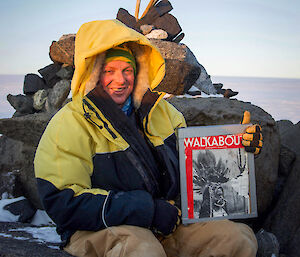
(216,173)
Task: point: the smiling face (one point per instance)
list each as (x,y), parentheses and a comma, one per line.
(117,79)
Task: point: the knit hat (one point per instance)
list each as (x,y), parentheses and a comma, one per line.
(121,53)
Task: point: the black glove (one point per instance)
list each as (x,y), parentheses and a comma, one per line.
(166,217)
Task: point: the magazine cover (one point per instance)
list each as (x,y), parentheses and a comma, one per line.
(217,174)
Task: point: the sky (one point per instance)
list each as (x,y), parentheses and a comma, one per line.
(252,38)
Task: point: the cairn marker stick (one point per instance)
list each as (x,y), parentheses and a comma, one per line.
(137,9)
(151,3)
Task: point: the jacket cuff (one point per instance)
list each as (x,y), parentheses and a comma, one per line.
(134,208)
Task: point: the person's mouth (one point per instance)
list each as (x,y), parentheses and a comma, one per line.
(118,89)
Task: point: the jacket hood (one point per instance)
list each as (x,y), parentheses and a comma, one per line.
(92,41)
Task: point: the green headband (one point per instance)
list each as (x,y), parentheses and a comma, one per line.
(121,53)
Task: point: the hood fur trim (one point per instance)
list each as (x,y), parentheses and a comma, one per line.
(95,75)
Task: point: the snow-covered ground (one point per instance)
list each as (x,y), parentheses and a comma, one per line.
(42,229)
(6,216)
(194,89)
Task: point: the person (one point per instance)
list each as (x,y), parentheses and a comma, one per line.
(107,165)
(214,203)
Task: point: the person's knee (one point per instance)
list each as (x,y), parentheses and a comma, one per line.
(238,236)
(139,241)
(233,231)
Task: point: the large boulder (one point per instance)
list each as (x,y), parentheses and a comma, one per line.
(23,104)
(27,129)
(33,83)
(26,177)
(66,72)
(62,51)
(11,160)
(39,99)
(182,70)
(284,125)
(125,17)
(57,96)
(49,74)
(215,111)
(157,34)
(168,23)
(182,67)
(10,154)
(16,170)
(284,220)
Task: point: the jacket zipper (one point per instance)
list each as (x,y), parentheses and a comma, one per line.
(88,117)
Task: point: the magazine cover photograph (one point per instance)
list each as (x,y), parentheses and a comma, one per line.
(217,174)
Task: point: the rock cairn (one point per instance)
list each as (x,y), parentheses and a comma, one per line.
(48,91)
(277,167)
(44,93)
(158,23)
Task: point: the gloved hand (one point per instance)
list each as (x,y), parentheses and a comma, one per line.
(252,138)
(166,217)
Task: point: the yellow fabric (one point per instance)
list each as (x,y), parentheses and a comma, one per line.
(248,143)
(253,129)
(64,161)
(246,117)
(248,136)
(92,39)
(59,158)
(158,130)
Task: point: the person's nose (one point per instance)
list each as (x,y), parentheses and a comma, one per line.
(119,77)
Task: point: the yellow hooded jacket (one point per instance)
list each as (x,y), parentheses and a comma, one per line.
(93,167)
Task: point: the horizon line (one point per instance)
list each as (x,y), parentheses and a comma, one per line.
(211,75)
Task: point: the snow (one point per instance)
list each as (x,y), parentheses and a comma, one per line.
(211,95)
(5,195)
(194,89)
(6,216)
(57,248)
(43,229)
(41,218)
(5,235)
(203,95)
(20,238)
(41,234)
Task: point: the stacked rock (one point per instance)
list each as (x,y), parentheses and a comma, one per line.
(158,23)
(45,93)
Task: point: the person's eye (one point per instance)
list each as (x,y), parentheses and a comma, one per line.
(108,71)
(128,71)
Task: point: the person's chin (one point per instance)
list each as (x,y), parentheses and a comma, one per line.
(119,100)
